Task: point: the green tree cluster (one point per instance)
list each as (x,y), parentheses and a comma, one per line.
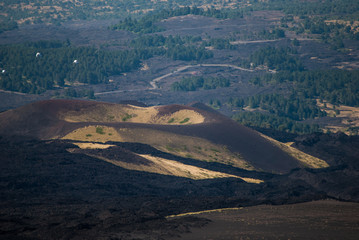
(83,93)
(275,58)
(263,120)
(293,106)
(188,53)
(335,86)
(147,24)
(174,47)
(220,43)
(267,34)
(198,82)
(34,68)
(346,9)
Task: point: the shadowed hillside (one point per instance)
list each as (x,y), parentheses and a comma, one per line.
(66,177)
(180,130)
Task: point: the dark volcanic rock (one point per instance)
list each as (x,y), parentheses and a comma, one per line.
(50,193)
(335,148)
(47,192)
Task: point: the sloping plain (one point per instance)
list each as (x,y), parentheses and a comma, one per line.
(121,185)
(183,131)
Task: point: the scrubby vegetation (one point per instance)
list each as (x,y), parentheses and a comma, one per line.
(99,130)
(270,121)
(292,90)
(279,59)
(36,67)
(174,47)
(335,86)
(293,106)
(199,82)
(147,24)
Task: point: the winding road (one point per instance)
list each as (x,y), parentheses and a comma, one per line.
(154,82)
(181,69)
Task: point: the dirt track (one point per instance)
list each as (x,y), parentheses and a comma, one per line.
(325,219)
(154,82)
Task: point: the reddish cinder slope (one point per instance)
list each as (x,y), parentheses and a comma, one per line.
(44,120)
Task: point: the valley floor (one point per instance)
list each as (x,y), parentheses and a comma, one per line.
(325,219)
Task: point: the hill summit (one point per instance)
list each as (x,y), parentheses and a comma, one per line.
(191,132)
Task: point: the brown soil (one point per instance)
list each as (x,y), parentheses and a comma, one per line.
(325,219)
(348,117)
(50,119)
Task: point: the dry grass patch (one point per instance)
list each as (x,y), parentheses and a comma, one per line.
(172,168)
(349,116)
(111,113)
(220,210)
(306,159)
(183,117)
(87,145)
(126,113)
(179,145)
(354,25)
(94,134)
(185,146)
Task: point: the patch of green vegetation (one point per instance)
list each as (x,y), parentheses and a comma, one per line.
(127,117)
(30,73)
(238,155)
(185,148)
(263,120)
(246,165)
(88,135)
(353,130)
(265,34)
(147,24)
(280,59)
(293,106)
(195,83)
(229,163)
(184,120)
(171,149)
(73,93)
(215,104)
(175,47)
(215,150)
(171,120)
(110,117)
(99,130)
(110,134)
(336,86)
(220,43)
(189,156)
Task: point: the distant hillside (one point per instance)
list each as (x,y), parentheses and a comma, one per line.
(179,130)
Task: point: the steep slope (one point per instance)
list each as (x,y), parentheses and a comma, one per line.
(180,130)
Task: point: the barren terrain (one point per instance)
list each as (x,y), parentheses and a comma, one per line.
(180,130)
(325,219)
